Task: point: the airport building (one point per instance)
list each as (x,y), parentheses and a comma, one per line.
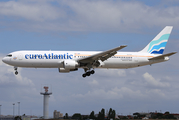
(57,114)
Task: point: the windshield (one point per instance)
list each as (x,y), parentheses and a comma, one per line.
(9,55)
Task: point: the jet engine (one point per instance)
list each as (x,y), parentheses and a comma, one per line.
(69,65)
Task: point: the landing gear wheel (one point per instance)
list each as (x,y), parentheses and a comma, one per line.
(16,72)
(15,68)
(92,72)
(84,75)
(88,74)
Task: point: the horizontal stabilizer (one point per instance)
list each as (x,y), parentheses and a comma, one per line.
(162,56)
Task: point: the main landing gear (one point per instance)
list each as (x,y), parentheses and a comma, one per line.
(88,73)
(15,68)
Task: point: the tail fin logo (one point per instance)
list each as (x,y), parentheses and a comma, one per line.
(158,46)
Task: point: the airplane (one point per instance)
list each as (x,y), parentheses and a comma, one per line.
(67,61)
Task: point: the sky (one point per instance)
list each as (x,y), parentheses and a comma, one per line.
(88,25)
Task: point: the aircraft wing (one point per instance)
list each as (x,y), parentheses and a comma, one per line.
(102,55)
(162,56)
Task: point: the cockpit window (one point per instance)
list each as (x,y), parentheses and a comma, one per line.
(9,55)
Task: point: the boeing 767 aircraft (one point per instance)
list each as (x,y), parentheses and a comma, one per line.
(67,61)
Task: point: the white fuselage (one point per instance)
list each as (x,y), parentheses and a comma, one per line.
(54,59)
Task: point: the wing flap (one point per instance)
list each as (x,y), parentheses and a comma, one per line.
(105,57)
(162,56)
(102,55)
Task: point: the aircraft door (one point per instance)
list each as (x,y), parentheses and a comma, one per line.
(20,56)
(135,59)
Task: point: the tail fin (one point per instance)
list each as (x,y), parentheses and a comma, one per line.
(157,45)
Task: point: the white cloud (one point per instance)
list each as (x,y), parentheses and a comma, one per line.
(156,93)
(93,82)
(168,78)
(83,15)
(7,75)
(112,94)
(121,73)
(16,88)
(119,15)
(36,11)
(113,72)
(150,80)
(132,72)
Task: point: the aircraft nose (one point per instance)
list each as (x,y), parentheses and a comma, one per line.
(4,60)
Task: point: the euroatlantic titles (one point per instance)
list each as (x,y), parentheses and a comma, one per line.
(48,56)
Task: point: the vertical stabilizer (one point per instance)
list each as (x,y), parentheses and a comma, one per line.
(157,45)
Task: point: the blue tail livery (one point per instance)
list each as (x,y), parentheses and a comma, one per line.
(157,45)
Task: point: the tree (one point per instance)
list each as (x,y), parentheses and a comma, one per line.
(92,116)
(138,115)
(66,116)
(101,115)
(111,114)
(167,115)
(18,118)
(76,116)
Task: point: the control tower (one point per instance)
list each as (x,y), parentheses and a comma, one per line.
(46,99)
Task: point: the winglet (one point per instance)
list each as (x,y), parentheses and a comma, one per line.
(121,47)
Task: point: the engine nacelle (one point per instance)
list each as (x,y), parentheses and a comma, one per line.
(63,70)
(70,64)
(99,63)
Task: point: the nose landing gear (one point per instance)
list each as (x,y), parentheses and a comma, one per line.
(88,73)
(16,72)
